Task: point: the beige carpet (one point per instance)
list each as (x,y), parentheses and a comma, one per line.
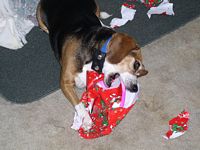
(172,85)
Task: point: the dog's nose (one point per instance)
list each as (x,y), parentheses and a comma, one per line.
(134,88)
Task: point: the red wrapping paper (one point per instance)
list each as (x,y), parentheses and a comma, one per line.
(178,125)
(104,117)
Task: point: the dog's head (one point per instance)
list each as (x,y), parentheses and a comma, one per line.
(124,59)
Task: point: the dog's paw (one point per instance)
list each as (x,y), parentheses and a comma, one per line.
(77,122)
(87,122)
(82,118)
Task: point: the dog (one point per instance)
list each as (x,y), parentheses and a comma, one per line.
(81,43)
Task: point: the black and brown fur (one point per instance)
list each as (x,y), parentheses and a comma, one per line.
(75,32)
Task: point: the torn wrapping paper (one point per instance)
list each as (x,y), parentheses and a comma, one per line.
(107,106)
(149,3)
(104,15)
(178,125)
(127,15)
(128,11)
(164,8)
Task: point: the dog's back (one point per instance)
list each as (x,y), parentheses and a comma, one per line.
(68,17)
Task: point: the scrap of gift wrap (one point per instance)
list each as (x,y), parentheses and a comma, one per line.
(128,11)
(127,15)
(178,125)
(107,106)
(163,8)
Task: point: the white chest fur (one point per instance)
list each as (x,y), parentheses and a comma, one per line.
(80,79)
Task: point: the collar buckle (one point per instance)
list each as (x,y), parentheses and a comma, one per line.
(98,57)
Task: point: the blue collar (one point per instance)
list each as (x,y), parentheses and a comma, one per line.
(98,57)
(105,45)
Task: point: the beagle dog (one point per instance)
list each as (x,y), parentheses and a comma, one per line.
(80,42)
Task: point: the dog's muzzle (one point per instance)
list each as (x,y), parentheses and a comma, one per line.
(132,87)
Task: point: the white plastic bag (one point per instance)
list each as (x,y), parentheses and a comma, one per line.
(16,20)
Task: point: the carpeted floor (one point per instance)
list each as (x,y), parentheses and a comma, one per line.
(32,72)
(173,84)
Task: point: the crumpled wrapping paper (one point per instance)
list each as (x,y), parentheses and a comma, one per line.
(163,8)
(106,106)
(128,11)
(178,125)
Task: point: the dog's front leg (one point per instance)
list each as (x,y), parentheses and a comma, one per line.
(82,117)
(69,92)
(69,70)
(67,83)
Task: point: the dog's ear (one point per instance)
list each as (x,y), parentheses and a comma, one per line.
(142,72)
(136,53)
(120,46)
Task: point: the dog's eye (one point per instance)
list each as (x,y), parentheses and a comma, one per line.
(136,65)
